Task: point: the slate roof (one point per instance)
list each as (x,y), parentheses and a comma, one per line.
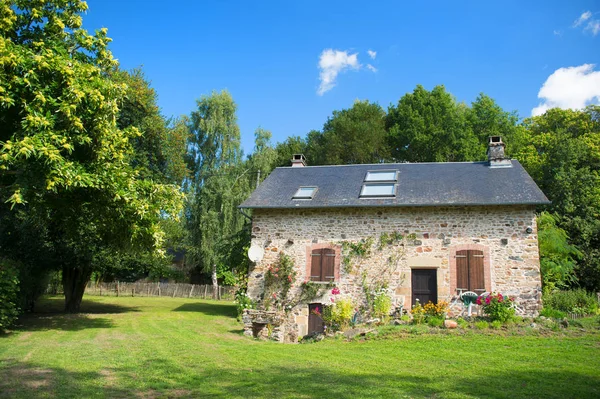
(419,184)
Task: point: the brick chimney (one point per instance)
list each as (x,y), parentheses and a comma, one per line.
(495,153)
(298,160)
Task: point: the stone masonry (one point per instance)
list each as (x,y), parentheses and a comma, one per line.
(511,255)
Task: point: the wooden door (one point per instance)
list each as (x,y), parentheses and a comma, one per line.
(315,322)
(424,286)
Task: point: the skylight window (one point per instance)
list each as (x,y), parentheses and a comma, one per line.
(379,183)
(382,175)
(378,190)
(305,193)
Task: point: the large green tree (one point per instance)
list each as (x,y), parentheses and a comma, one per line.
(430,126)
(63,157)
(219,181)
(354,135)
(561,151)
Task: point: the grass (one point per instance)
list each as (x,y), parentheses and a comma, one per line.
(170,347)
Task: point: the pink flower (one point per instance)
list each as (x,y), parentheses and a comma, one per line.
(332,300)
(335,291)
(487,300)
(478,300)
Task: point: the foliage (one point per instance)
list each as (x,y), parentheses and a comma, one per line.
(496,306)
(418,313)
(61,145)
(386,239)
(496,324)
(482,325)
(552,313)
(243,301)
(353,251)
(351,136)
(462,323)
(9,289)
(279,278)
(575,301)
(561,151)
(435,321)
(382,305)
(338,315)
(217,185)
(557,256)
(439,309)
(431,126)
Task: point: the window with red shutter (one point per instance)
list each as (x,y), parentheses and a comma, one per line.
(469,271)
(322,266)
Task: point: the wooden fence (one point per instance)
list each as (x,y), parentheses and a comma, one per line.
(173,290)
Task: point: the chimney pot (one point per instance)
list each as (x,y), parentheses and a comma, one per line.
(495,153)
(298,160)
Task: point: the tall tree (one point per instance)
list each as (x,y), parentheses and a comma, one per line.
(354,135)
(62,156)
(430,126)
(561,151)
(217,180)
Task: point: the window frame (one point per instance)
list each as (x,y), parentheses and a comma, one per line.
(394,171)
(304,197)
(381,184)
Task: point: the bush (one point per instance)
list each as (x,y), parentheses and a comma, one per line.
(552,313)
(9,290)
(435,321)
(497,307)
(382,305)
(496,325)
(337,316)
(576,301)
(481,325)
(242,301)
(418,313)
(462,323)
(436,310)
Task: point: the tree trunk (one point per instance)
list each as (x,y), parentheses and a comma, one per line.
(215,282)
(74,281)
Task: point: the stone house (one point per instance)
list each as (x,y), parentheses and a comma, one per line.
(433,231)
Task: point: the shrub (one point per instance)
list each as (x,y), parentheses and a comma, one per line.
(496,324)
(436,310)
(481,325)
(435,321)
(462,323)
(9,289)
(337,316)
(577,301)
(242,301)
(552,313)
(418,313)
(382,305)
(497,307)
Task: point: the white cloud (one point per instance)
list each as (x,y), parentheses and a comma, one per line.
(372,54)
(582,18)
(571,87)
(371,68)
(331,63)
(558,33)
(593,26)
(588,23)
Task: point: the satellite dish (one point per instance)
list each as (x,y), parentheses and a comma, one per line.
(256,253)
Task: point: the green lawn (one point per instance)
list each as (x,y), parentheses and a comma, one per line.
(163,347)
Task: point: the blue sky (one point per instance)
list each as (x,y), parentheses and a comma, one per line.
(268,54)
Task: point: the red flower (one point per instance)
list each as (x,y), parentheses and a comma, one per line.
(335,291)
(487,300)
(478,300)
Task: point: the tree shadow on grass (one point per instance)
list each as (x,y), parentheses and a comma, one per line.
(211,309)
(26,380)
(163,377)
(57,305)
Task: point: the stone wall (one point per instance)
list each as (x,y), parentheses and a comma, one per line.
(511,254)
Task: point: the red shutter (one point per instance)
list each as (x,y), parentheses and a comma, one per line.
(462,270)
(315,265)
(476,280)
(328,265)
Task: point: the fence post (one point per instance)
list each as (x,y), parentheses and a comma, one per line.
(205,291)
(158,284)
(117,288)
(175,291)
(192,290)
